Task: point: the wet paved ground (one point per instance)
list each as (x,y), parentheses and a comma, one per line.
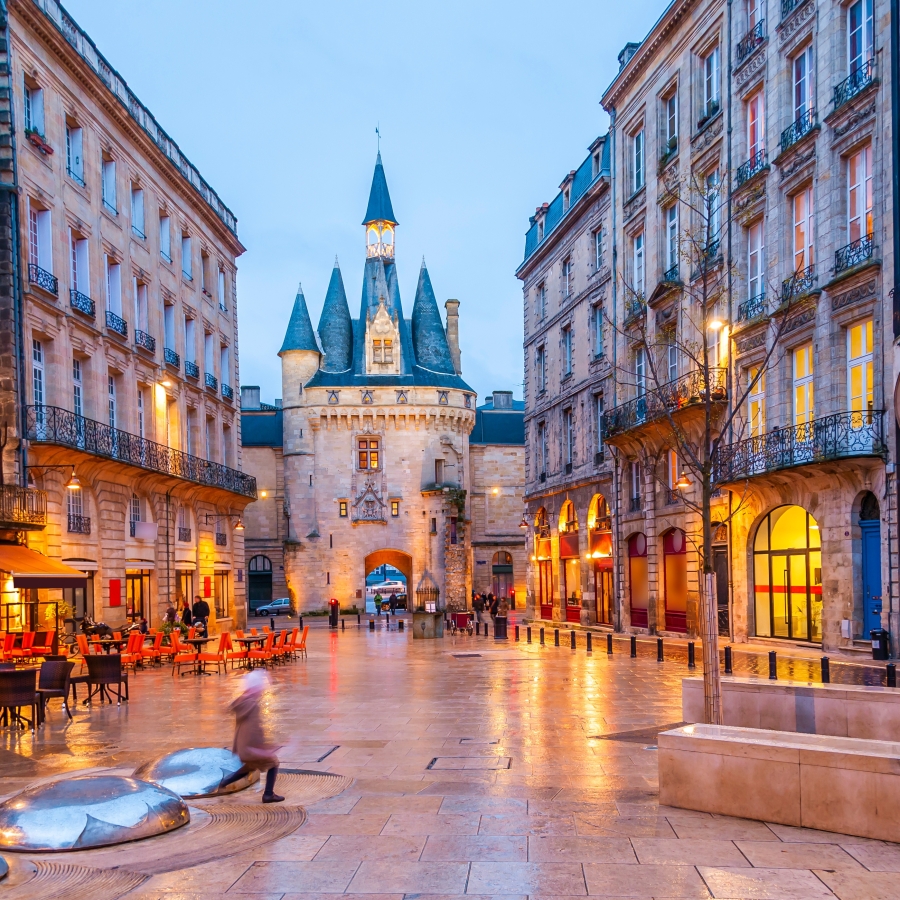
(522,771)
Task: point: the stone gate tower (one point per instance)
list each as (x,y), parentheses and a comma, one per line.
(376,425)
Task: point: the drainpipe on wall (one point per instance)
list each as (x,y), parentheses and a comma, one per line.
(894,614)
(617,618)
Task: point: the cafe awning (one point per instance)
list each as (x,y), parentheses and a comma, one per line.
(30,569)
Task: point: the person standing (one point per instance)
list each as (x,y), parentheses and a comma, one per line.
(478,605)
(186,615)
(393,603)
(250,743)
(378,601)
(493,605)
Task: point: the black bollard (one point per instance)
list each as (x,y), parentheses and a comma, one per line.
(358,618)
(400,625)
(729,665)
(555,637)
(692,662)
(343,625)
(301,621)
(272,622)
(478,628)
(826,670)
(573,639)
(517,633)
(633,647)
(590,646)
(528,633)
(371,624)
(486,629)
(659,649)
(773,666)
(609,645)
(891,675)
(542,637)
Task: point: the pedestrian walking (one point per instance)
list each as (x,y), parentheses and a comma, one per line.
(493,605)
(378,602)
(171,615)
(186,616)
(393,603)
(478,605)
(250,744)
(200,609)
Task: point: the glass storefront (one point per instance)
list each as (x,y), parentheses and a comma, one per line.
(222,599)
(185,587)
(787,576)
(137,594)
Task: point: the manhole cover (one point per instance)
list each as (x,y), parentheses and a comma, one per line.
(465,655)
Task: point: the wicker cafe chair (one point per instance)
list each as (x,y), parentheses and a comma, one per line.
(105,672)
(53,681)
(18,689)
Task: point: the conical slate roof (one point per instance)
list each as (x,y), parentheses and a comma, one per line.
(379,208)
(429,338)
(335,327)
(300,334)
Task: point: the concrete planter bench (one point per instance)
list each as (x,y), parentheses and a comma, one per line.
(835,784)
(856,711)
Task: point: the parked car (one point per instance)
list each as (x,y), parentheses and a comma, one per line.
(275,607)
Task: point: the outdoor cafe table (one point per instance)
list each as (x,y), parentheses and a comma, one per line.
(109,643)
(198,644)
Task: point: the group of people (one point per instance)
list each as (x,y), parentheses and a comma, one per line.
(494,606)
(196,615)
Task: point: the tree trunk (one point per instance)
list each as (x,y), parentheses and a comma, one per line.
(709,625)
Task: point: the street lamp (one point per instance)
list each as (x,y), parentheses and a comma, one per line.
(73,484)
(524,523)
(238,526)
(683,481)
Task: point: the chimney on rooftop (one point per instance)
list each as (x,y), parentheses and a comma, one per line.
(626,53)
(503,399)
(452,307)
(249,396)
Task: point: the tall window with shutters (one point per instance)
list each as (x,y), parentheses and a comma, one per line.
(77,391)
(859,373)
(37,372)
(756,402)
(755,261)
(859,194)
(802,236)
(804,405)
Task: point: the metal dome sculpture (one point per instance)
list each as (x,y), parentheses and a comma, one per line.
(88,811)
(195,772)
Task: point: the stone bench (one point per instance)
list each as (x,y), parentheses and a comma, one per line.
(856,711)
(839,784)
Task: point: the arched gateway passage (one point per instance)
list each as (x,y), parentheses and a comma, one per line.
(400,561)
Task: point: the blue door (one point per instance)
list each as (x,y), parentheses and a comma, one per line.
(871,573)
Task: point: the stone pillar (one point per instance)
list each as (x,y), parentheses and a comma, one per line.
(452,307)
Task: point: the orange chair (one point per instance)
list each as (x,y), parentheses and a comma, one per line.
(266,629)
(265,653)
(117,635)
(291,643)
(8,641)
(132,654)
(83,648)
(181,655)
(219,656)
(279,651)
(154,653)
(231,653)
(301,647)
(45,649)
(23,652)
(239,633)
(192,632)
(253,632)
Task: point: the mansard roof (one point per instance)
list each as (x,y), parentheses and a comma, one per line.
(379,208)
(336,326)
(300,334)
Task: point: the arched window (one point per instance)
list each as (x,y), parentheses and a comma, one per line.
(502,584)
(637,577)
(372,237)
(259,563)
(387,236)
(787,575)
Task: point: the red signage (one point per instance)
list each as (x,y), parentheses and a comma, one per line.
(115,592)
(207,586)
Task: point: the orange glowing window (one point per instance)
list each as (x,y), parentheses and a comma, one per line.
(367,451)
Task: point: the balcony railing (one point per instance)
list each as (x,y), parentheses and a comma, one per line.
(211,381)
(839,436)
(132,527)
(138,233)
(191,369)
(184,535)
(854,253)
(860,78)
(171,357)
(755,164)
(752,309)
(116,323)
(82,303)
(52,425)
(635,306)
(142,339)
(686,391)
(227,391)
(79,524)
(800,283)
(221,539)
(380,249)
(751,40)
(788,6)
(43,279)
(75,176)
(671,496)
(671,275)
(22,507)
(635,504)
(799,128)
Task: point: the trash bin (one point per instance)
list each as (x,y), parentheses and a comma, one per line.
(880,640)
(500,623)
(333,610)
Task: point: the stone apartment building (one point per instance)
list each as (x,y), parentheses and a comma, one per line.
(124,296)
(782,111)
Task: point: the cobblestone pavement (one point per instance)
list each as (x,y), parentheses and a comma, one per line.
(479,769)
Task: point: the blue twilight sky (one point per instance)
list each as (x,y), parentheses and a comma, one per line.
(483,108)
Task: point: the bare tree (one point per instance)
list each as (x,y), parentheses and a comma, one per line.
(698,413)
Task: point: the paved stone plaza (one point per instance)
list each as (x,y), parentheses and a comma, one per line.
(521,771)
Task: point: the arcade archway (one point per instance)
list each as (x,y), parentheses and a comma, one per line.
(395,573)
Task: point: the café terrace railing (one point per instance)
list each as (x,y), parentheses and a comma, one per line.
(22,507)
(839,436)
(52,425)
(685,391)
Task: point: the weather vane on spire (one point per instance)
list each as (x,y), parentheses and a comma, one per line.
(378,132)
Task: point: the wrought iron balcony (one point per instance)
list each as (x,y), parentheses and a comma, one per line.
(227,391)
(671,496)
(603,523)
(211,381)
(860,78)
(854,253)
(635,306)
(799,128)
(110,207)
(788,6)
(751,309)
(755,164)
(171,357)
(635,504)
(43,279)
(22,508)
(75,176)
(800,283)
(82,303)
(222,307)
(79,524)
(221,539)
(689,390)
(138,233)
(144,340)
(840,436)
(52,425)
(671,275)
(751,40)
(116,323)
(191,369)
(184,535)
(132,528)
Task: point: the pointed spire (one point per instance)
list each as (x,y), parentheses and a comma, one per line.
(428,336)
(335,327)
(379,208)
(300,334)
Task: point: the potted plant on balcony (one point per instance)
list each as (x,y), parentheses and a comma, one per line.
(36,139)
